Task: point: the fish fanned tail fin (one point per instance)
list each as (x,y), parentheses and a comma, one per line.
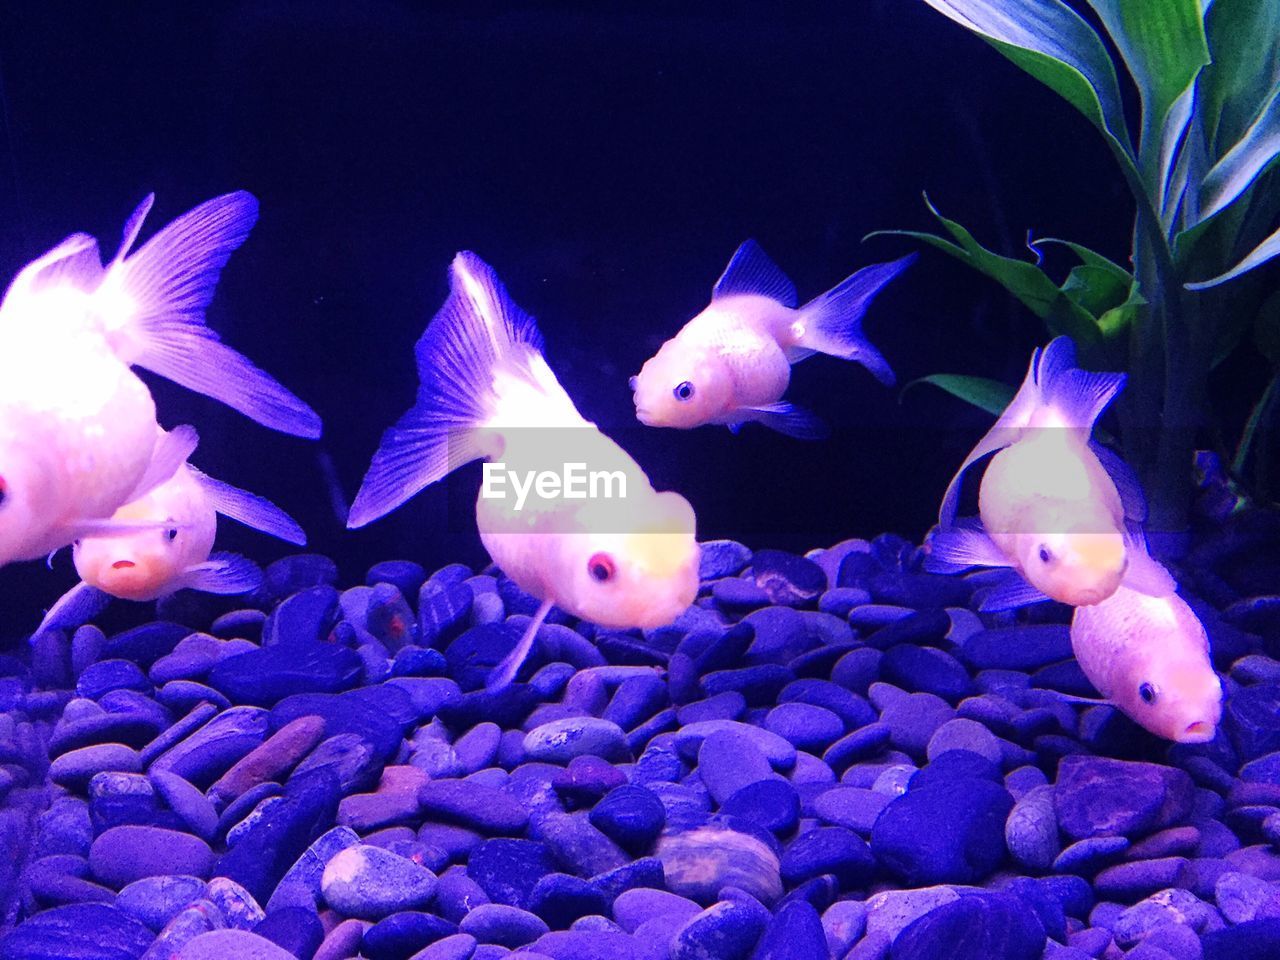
(479,331)
(1079,395)
(752,273)
(154,301)
(833,322)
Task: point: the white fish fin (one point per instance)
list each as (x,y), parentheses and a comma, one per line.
(1122,475)
(478,330)
(1078,395)
(170,452)
(250,509)
(222,573)
(162,291)
(1083,701)
(107,527)
(751,272)
(1145,573)
(788,419)
(961,547)
(1006,430)
(505,672)
(129,235)
(75,262)
(832,323)
(1010,594)
(74,608)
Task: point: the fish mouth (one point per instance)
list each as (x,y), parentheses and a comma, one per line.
(1198,732)
(644,416)
(123,565)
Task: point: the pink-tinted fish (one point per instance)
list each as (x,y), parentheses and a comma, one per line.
(731,363)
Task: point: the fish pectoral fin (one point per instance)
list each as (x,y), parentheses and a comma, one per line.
(74,609)
(752,273)
(168,283)
(108,527)
(250,509)
(170,452)
(222,573)
(1144,573)
(1083,701)
(1009,594)
(505,672)
(787,418)
(961,547)
(1132,498)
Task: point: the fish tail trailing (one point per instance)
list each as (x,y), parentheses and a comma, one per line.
(833,321)
(477,334)
(154,300)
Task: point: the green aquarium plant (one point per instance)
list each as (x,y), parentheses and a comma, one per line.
(1206,191)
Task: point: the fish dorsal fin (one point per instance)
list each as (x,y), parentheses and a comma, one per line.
(170,452)
(134,224)
(752,273)
(1006,430)
(75,263)
(222,573)
(1078,395)
(250,509)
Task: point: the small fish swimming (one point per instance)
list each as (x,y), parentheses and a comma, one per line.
(1150,657)
(1060,509)
(78,429)
(173,548)
(487,393)
(731,363)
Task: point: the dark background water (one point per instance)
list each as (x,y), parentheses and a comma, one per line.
(607,164)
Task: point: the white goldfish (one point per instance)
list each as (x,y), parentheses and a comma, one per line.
(1058,508)
(78,433)
(732,362)
(172,549)
(487,392)
(1150,657)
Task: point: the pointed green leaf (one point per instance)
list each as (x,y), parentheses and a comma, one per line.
(1173,163)
(1258,148)
(1269,248)
(1050,41)
(985,394)
(1116,321)
(1256,416)
(1026,281)
(1245,45)
(1163,45)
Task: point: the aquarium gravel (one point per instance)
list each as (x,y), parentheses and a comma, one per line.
(827,756)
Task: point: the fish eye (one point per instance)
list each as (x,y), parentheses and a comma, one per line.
(1046,555)
(171,534)
(601,567)
(633,383)
(683,390)
(4,491)
(1148,693)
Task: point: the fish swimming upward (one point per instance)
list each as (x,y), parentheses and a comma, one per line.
(487,392)
(731,363)
(1150,657)
(174,550)
(77,427)
(1059,509)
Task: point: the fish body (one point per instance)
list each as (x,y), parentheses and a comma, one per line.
(165,544)
(77,426)
(1050,507)
(487,393)
(1150,657)
(731,364)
